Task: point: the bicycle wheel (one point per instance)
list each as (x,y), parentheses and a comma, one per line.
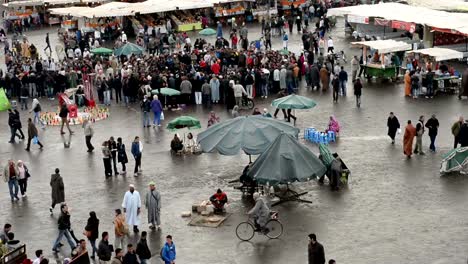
(250,104)
(275,228)
(245,231)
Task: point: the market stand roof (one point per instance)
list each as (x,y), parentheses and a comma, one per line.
(384,46)
(456,22)
(440,54)
(130,9)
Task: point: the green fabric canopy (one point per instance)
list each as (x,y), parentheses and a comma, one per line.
(286,161)
(128,49)
(252,134)
(327,156)
(207,32)
(4,102)
(102,51)
(184,122)
(167,91)
(455,160)
(293,101)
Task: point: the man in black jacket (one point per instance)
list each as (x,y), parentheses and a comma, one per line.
(63,227)
(433,126)
(316,251)
(15,125)
(142,249)
(130,257)
(104,249)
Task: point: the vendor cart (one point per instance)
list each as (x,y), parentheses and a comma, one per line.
(441,83)
(380,70)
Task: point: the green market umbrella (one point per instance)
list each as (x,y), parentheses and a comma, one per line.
(327,156)
(286,161)
(284,52)
(207,32)
(184,122)
(293,101)
(102,51)
(167,91)
(455,160)
(252,134)
(128,49)
(4,102)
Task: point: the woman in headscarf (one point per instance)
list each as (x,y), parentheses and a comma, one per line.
(92,231)
(36,108)
(333,125)
(212,119)
(410,133)
(407,83)
(23,175)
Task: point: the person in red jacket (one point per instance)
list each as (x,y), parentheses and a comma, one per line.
(218,200)
(215,68)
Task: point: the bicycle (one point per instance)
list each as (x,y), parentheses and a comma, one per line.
(273,229)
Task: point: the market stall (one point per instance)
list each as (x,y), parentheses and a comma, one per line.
(381,63)
(186,21)
(429,58)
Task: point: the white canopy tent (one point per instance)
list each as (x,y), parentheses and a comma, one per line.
(457,22)
(440,54)
(384,46)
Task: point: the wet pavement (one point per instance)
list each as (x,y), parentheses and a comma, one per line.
(394,211)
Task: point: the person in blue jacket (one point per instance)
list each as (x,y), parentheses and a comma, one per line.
(157,109)
(168,253)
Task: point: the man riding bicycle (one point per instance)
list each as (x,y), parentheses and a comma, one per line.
(260,213)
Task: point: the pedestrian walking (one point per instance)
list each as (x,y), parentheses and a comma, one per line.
(408,137)
(168,252)
(157,109)
(63,114)
(433,125)
(419,134)
(92,231)
(137,151)
(89,133)
(336,88)
(32,135)
(10,175)
(47,41)
(153,205)
(130,257)
(324,78)
(393,126)
(14,122)
(113,150)
(122,155)
(316,251)
(64,225)
(106,158)
(142,249)
(358,91)
(343,77)
(105,249)
(206,93)
(463,90)
(146,109)
(58,189)
(456,130)
(23,176)
(36,109)
(354,67)
(120,229)
(285,41)
(330,45)
(131,206)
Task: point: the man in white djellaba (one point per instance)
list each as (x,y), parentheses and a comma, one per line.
(131,206)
